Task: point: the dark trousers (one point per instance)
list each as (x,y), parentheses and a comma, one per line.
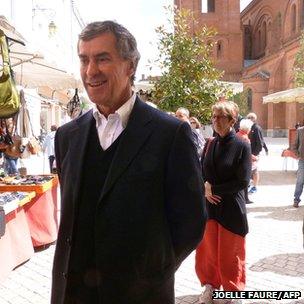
(51,161)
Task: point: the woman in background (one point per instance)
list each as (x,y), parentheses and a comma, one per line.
(196,127)
(226,165)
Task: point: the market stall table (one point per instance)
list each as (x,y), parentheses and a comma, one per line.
(15,245)
(41,212)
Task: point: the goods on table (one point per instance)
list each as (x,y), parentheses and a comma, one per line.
(26,180)
(11,200)
(38,183)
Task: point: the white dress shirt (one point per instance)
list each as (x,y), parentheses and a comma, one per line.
(48,144)
(108,129)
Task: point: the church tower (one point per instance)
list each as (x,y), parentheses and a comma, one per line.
(224,16)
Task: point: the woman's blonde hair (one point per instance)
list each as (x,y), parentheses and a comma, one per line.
(228,108)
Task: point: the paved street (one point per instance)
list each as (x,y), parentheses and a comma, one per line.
(275,256)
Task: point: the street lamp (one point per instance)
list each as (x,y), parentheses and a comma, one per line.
(52,29)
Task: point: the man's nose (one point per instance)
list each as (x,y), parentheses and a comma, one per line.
(92,69)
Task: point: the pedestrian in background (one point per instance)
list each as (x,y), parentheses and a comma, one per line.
(183,114)
(298,149)
(244,130)
(10,164)
(226,165)
(132,205)
(48,147)
(196,126)
(257,143)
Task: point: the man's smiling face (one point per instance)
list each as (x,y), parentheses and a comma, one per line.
(105,74)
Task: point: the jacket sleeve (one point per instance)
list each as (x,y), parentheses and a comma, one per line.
(185,202)
(296,143)
(259,140)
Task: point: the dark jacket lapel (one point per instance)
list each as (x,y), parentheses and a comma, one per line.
(78,142)
(139,127)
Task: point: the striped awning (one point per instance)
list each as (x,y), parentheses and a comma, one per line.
(291,95)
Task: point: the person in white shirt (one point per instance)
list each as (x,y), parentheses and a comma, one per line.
(132,204)
(48,147)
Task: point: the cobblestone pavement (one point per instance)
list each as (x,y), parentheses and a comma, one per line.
(275,256)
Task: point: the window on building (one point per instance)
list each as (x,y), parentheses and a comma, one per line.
(219,49)
(249,99)
(259,46)
(264,36)
(208,6)
(248,42)
(293,18)
(302,14)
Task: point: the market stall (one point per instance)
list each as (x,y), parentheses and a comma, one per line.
(41,211)
(15,245)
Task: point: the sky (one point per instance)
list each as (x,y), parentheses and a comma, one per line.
(140,17)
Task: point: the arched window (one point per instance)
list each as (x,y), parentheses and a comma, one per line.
(248,42)
(293,18)
(264,36)
(302,14)
(211,5)
(208,6)
(259,47)
(219,49)
(249,99)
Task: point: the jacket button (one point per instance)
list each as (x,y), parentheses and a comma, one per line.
(68,241)
(64,274)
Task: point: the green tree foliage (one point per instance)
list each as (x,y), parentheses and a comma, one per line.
(189,78)
(299,64)
(241,99)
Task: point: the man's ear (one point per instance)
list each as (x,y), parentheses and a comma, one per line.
(131,68)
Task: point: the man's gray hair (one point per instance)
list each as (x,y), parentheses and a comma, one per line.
(184,111)
(125,41)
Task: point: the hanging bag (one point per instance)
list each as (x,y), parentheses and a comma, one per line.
(15,147)
(9,97)
(74,106)
(33,144)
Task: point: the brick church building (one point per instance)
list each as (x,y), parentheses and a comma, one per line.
(257,47)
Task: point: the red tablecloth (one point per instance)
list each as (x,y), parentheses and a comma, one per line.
(41,214)
(41,211)
(16,245)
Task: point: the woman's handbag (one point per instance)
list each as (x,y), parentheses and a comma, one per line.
(34,145)
(15,149)
(9,97)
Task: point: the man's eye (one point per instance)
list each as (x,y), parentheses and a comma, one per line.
(83,61)
(102,59)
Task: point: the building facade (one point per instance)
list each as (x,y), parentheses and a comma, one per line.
(224,17)
(49,28)
(257,47)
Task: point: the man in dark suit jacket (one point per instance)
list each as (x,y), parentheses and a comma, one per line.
(132,202)
(257,143)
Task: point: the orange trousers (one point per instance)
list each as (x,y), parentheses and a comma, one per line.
(220,258)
